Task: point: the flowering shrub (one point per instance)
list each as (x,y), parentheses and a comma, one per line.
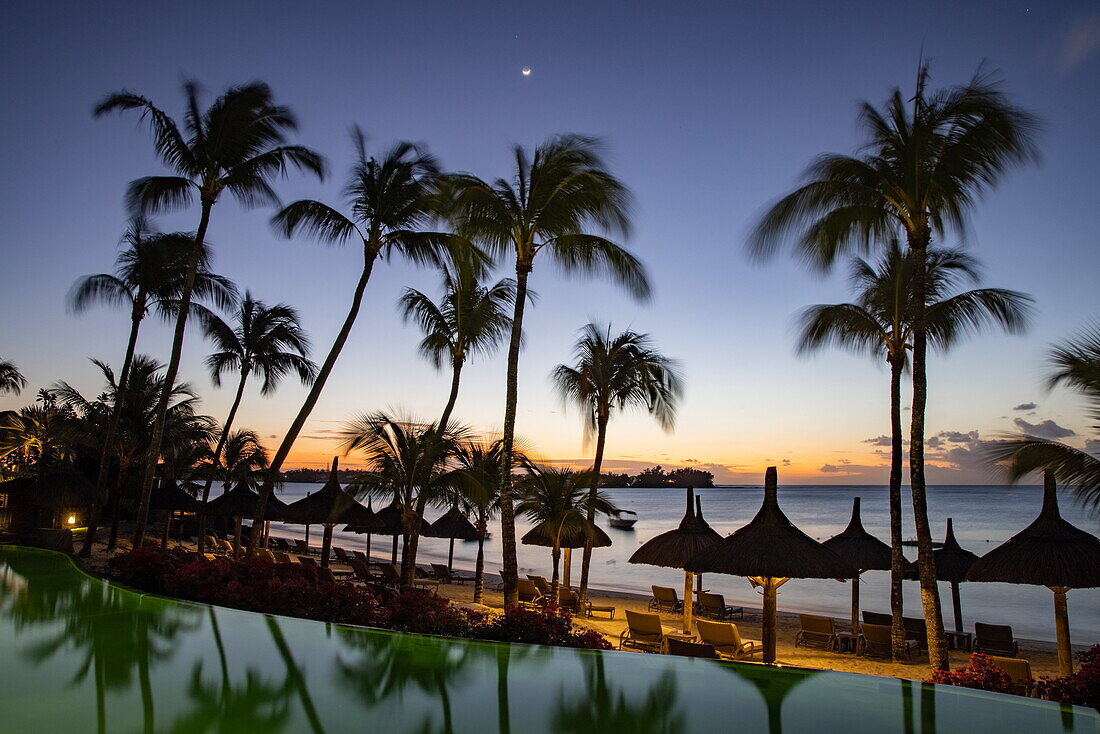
(547,625)
(981,674)
(1081,688)
(294,590)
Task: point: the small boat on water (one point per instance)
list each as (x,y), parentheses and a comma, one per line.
(624,523)
(912,543)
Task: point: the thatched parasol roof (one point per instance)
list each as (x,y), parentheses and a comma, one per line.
(952,560)
(329,504)
(674,548)
(453,524)
(572,538)
(858,547)
(241,502)
(58,489)
(771,546)
(169,497)
(1048,552)
(387,521)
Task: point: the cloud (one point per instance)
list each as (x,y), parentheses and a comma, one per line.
(1047,429)
(852,470)
(689,461)
(959,436)
(831,469)
(273,435)
(1079,42)
(1026,406)
(786,462)
(882,440)
(933,442)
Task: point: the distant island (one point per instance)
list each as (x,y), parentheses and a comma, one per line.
(654,477)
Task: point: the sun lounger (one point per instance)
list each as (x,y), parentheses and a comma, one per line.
(726,640)
(590,609)
(874,641)
(212,544)
(360,572)
(341,555)
(302,547)
(360,555)
(568,600)
(529,594)
(643,632)
(446,575)
(265,553)
(390,575)
(995,639)
(281,557)
(226,547)
(541,583)
(1018,670)
(816,632)
(916,630)
(683,648)
(877,618)
(714,606)
(210,556)
(308,561)
(665,600)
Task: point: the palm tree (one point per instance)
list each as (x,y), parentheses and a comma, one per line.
(391,200)
(237,145)
(244,460)
(407,459)
(551,205)
(470,319)
(264,339)
(40,435)
(614,374)
(923,165)
(559,501)
(880,324)
(149,274)
(11,379)
(1076,365)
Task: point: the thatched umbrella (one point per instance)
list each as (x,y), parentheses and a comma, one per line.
(57,490)
(952,564)
(239,503)
(329,506)
(169,499)
(770,551)
(862,551)
(570,539)
(387,521)
(453,524)
(1049,552)
(674,548)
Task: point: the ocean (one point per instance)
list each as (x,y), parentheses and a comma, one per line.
(984,516)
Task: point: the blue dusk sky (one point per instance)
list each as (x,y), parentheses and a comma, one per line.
(709,112)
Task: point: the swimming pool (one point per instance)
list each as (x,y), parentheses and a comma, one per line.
(78,654)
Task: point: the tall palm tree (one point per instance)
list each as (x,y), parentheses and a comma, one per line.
(1076,365)
(407,459)
(470,319)
(150,272)
(559,501)
(615,373)
(244,460)
(11,379)
(267,340)
(237,144)
(391,200)
(550,207)
(880,324)
(42,435)
(925,162)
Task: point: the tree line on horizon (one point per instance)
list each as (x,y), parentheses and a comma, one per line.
(925,161)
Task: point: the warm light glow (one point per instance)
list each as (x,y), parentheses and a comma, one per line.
(72,519)
(527,71)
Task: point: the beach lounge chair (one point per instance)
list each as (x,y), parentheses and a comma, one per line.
(265,553)
(714,606)
(308,561)
(1018,670)
(568,600)
(727,640)
(390,575)
(212,544)
(360,572)
(816,632)
(210,556)
(341,555)
(643,632)
(325,574)
(665,600)
(874,641)
(360,555)
(281,557)
(529,594)
(590,609)
(916,630)
(226,547)
(995,639)
(541,583)
(449,576)
(877,618)
(302,547)
(687,649)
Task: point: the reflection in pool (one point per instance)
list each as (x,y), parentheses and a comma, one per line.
(80,655)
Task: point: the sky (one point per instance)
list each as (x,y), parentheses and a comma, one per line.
(709,111)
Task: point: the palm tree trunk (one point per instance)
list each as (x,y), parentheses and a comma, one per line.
(929,591)
(555,579)
(897,559)
(479,565)
(170,375)
(408,561)
(112,539)
(136,316)
(509,571)
(245,369)
(597,465)
(456,372)
(291,436)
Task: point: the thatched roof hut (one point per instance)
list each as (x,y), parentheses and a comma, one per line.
(571,538)
(770,550)
(169,497)
(676,547)
(1049,552)
(240,501)
(453,524)
(862,550)
(58,489)
(952,564)
(328,506)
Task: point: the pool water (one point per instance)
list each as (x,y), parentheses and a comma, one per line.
(78,654)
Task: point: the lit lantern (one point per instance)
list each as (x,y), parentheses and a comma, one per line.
(72,519)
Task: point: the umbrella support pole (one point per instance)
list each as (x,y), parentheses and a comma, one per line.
(368,548)
(956,604)
(855,605)
(451,556)
(237,538)
(688,603)
(267,532)
(167,530)
(393,555)
(1061,629)
(568,567)
(768,586)
(326,544)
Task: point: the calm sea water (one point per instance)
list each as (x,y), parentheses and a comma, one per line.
(984,516)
